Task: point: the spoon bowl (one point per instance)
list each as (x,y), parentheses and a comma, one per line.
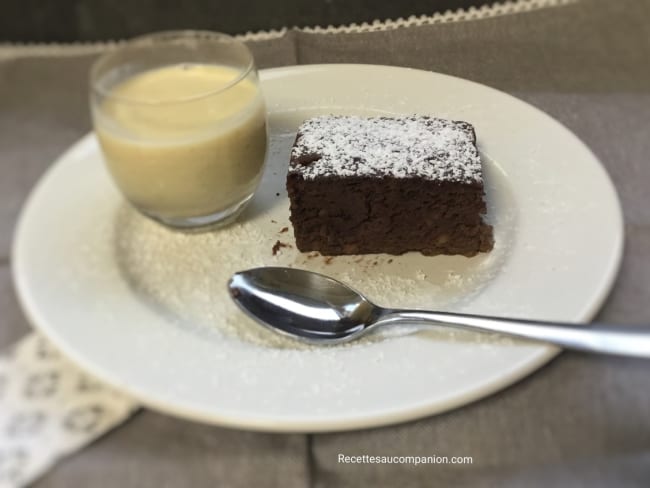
(307,306)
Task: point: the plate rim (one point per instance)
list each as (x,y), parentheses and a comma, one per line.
(293,424)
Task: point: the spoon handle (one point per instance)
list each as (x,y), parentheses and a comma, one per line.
(596,338)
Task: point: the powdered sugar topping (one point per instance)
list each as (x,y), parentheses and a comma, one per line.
(400,147)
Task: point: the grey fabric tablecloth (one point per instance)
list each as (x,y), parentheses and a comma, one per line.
(580,421)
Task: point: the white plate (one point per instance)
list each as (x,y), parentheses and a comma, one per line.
(145,309)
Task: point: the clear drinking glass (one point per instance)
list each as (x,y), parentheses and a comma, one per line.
(181,122)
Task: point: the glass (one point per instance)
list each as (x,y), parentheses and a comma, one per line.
(181,122)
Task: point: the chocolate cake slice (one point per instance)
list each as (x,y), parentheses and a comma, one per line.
(387,185)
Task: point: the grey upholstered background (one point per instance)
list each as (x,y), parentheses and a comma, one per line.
(90,20)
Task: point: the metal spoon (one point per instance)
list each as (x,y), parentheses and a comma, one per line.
(321,310)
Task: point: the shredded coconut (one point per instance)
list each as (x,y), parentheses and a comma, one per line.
(399,147)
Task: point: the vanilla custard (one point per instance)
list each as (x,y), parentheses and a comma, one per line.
(184,141)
